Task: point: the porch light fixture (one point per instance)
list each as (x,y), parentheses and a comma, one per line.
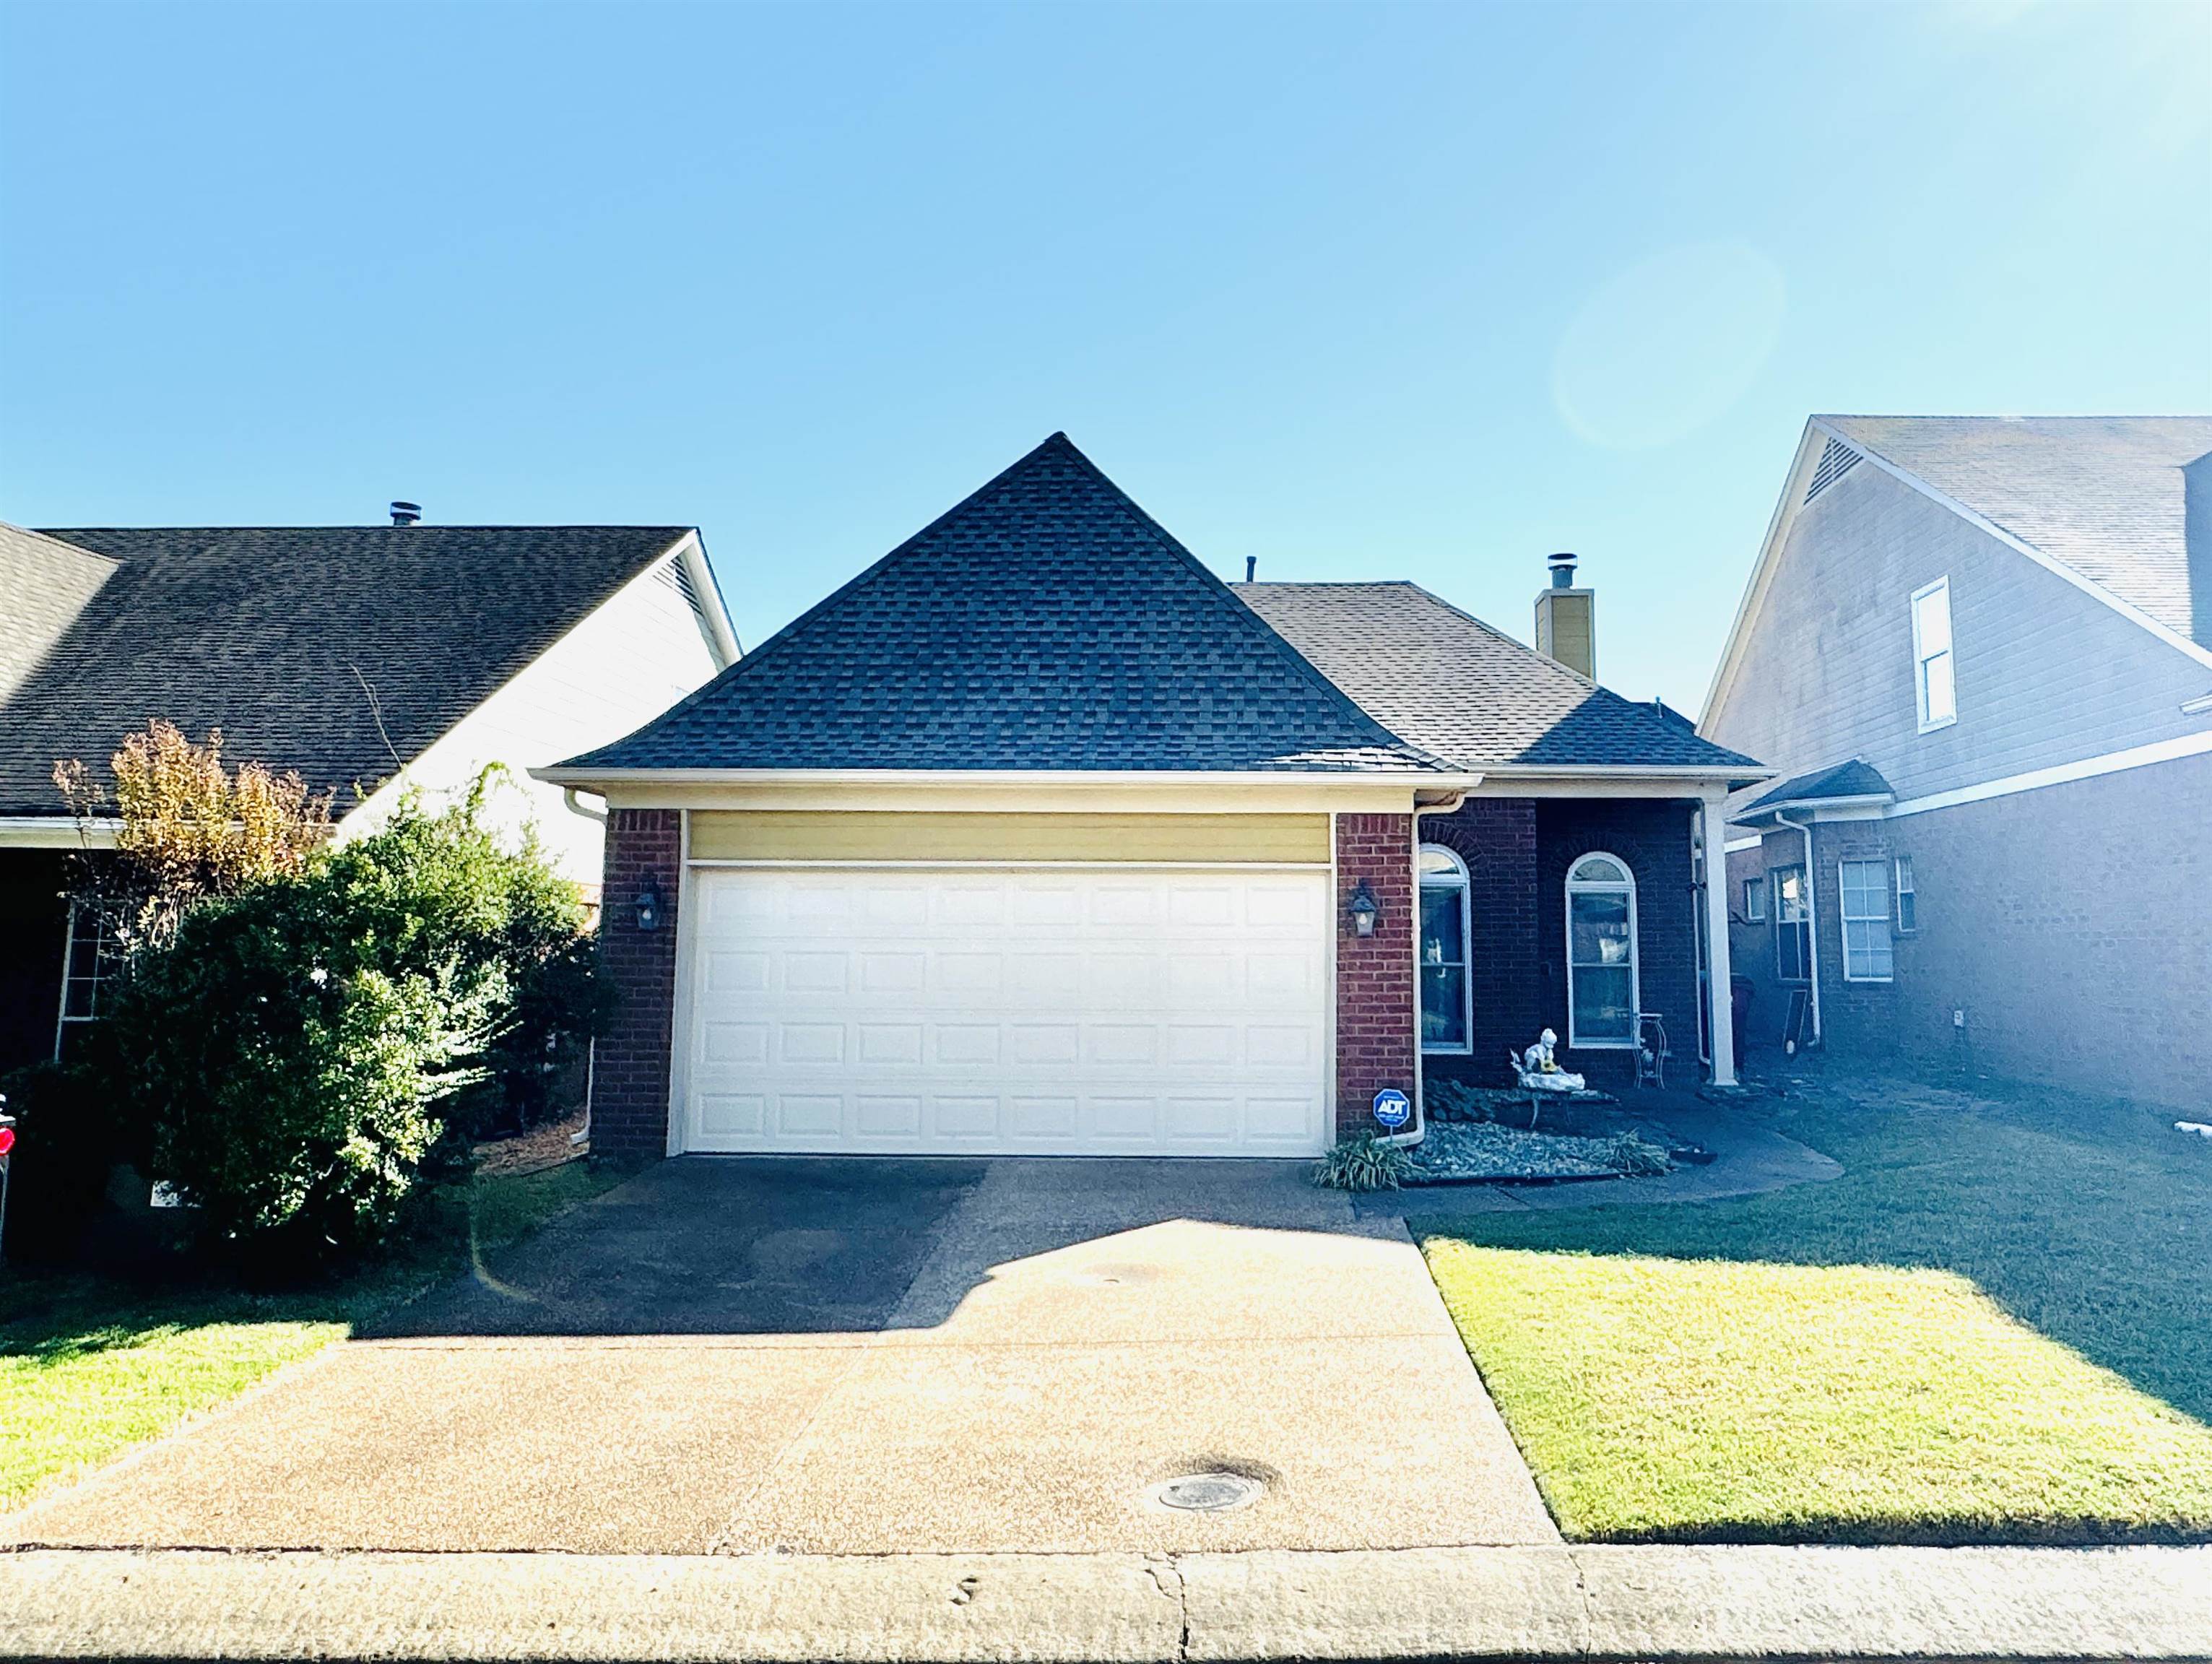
(1364,908)
(648,903)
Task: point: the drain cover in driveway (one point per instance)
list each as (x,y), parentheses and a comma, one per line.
(1207,1493)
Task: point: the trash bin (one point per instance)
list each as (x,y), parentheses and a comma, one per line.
(1739,992)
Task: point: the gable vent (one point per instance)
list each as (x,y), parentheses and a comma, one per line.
(677,577)
(1836,461)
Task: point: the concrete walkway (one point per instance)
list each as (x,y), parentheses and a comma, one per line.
(1520,1603)
(841,1358)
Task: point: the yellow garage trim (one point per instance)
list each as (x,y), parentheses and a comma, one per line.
(775,835)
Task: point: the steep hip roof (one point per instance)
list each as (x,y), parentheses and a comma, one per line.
(2106,495)
(325,649)
(1045,623)
(1467,692)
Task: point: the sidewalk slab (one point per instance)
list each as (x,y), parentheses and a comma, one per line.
(1533,1603)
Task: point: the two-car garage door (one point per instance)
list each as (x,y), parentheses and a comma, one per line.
(1007,1011)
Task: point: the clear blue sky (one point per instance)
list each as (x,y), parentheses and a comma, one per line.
(1365,291)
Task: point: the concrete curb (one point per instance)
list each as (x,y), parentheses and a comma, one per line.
(1617,1603)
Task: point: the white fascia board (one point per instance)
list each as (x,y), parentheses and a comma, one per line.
(693,554)
(1762,574)
(1013,790)
(1698,782)
(55,832)
(1737,846)
(590,779)
(2057,568)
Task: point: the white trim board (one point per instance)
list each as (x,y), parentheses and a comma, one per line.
(2112,762)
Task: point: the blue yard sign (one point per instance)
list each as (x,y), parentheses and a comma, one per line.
(1392,1107)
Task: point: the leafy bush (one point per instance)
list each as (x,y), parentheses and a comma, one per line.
(186,828)
(1363,1163)
(305,1051)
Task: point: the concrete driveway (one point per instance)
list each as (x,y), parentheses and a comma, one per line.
(870,1357)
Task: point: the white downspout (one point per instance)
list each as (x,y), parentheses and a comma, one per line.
(582,1136)
(1720,998)
(1812,918)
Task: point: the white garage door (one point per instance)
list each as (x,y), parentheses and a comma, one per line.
(994,1011)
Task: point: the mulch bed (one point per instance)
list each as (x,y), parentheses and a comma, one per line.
(1474,1152)
(540,1147)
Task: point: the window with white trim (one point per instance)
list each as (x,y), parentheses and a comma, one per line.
(1908,903)
(1602,974)
(1793,929)
(1862,901)
(1444,932)
(1935,686)
(89,958)
(1754,900)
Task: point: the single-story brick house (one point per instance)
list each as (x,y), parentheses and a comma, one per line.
(367,658)
(1036,837)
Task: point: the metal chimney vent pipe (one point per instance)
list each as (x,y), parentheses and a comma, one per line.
(1563,570)
(406,513)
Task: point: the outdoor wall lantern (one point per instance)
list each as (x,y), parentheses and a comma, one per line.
(1364,908)
(648,903)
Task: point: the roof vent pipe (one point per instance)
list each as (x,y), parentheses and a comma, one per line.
(406,513)
(1563,570)
(1251,566)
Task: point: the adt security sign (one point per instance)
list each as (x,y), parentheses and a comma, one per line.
(1393,1109)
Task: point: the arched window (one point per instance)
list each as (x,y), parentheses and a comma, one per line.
(1443,951)
(1601,991)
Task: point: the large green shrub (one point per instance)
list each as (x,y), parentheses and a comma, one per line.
(304,1052)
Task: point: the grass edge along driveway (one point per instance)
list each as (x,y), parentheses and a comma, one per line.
(91,1366)
(1975,1335)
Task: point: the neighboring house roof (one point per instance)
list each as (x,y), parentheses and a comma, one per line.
(2104,494)
(1467,692)
(326,649)
(2102,503)
(1852,781)
(1044,622)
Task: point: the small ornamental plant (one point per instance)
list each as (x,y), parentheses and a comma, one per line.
(1363,1163)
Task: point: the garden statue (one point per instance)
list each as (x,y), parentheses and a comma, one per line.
(1540,1071)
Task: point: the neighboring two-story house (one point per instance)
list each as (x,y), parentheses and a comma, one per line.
(1980,650)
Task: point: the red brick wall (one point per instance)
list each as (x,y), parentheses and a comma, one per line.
(1375,994)
(1497,839)
(629,1080)
(1654,838)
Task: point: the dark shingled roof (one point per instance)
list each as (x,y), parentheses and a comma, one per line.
(1469,694)
(269,634)
(1854,779)
(1046,623)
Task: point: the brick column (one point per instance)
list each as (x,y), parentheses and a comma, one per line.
(1376,1021)
(630,1079)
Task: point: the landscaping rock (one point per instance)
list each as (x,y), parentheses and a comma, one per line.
(1456,1152)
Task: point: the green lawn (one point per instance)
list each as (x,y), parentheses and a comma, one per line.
(90,1366)
(1996,1327)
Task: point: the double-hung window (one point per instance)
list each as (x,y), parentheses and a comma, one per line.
(1908,903)
(1935,686)
(1793,934)
(1601,991)
(1443,951)
(1862,888)
(1754,900)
